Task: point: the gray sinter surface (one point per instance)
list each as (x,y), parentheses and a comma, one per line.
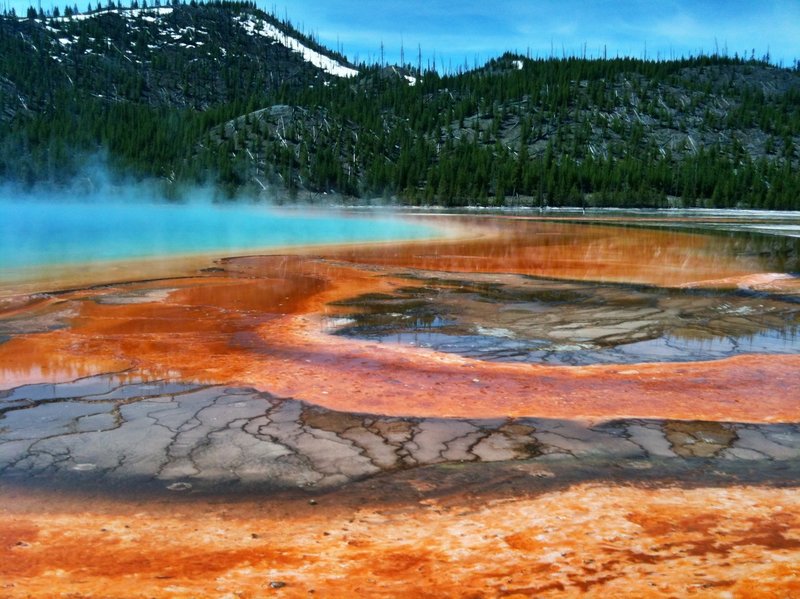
(112,430)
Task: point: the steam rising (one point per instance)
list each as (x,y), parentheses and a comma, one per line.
(101,218)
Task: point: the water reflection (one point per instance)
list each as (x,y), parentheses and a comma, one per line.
(633,252)
(523,319)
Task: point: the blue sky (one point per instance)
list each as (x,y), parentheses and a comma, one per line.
(482,29)
(472,31)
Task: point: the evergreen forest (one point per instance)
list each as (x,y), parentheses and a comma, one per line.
(199,94)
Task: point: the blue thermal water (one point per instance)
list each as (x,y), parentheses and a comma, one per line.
(43,233)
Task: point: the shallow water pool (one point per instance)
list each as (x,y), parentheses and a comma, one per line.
(48,232)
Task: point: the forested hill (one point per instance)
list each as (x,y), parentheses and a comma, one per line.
(224,94)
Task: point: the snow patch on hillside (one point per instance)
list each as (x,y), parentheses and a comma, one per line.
(250,24)
(326,63)
(148,14)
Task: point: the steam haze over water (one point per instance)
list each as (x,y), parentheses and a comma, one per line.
(39,231)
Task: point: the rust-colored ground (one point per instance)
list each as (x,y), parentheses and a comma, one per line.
(259,324)
(590,540)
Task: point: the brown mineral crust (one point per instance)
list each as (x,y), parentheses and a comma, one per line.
(768,282)
(595,540)
(290,356)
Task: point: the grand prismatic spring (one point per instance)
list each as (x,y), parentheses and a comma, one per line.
(493,406)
